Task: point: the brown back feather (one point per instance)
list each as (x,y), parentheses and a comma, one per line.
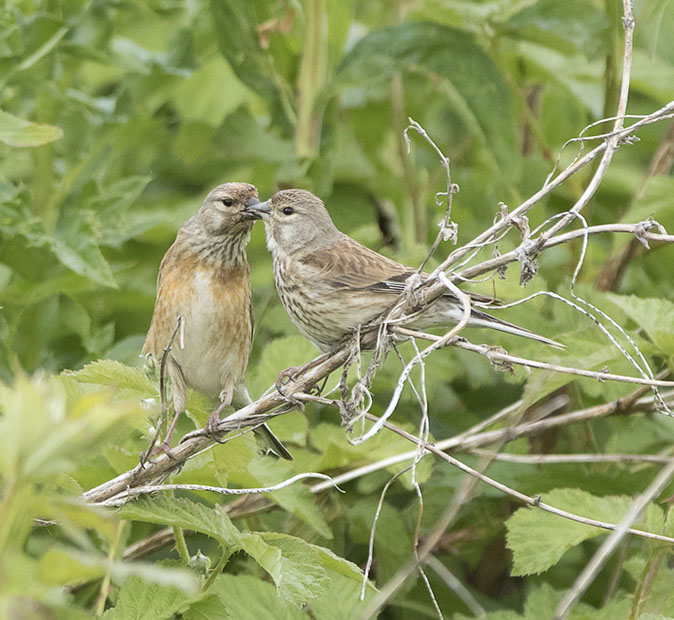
(349,265)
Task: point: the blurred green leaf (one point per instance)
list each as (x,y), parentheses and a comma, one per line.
(140,600)
(450,59)
(16,131)
(252,65)
(655,316)
(570,26)
(115,374)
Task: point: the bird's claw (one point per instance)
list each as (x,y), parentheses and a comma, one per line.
(163,448)
(286,376)
(211,429)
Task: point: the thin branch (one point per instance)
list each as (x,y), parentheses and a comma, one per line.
(469,439)
(433,289)
(639,230)
(456,586)
(547,459)
(254,414)
(438,344)
(373,529)
(121,498)
(534,501)
(492,353)
(163,398)
(448,230)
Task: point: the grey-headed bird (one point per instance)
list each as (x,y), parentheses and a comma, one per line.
(329,283)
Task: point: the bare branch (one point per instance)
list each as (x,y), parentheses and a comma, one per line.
(456,586)
(547,459)
(122,498)
(531,501)
(492,353)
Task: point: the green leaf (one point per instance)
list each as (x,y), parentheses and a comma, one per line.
(179,512)
(570,26)
(140,600)
(208,608)
(296,571)
(653,76)
(539,539)
(16,131)
(669,522)
(295,567)
(655,201)
(242,134)
(655,316)
(296,498)
(75,243)
(279,354)
(252,65)
(249,598)
(115,374)
(328,559)
(111,205)
(211,107)
(235,459)
(542,602)
(660,598)
(451,59)
(341,599)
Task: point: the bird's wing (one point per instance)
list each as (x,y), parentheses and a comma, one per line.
(160,328)
(348,265)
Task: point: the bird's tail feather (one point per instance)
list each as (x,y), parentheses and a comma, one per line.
(482,319)
(273,443)
(450,312)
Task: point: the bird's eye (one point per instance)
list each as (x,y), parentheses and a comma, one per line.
(288,210)
(228,202)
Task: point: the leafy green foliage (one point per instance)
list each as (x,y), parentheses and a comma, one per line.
(539,539)
(451,59)
(139,600)
(116,118)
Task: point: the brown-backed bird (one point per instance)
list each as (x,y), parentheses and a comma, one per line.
(204,279)
(329,283)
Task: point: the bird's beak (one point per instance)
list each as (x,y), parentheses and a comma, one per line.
(258,210)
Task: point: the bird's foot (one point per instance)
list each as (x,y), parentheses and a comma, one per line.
(163,448)
(290,399)
(286,376)
(211,429)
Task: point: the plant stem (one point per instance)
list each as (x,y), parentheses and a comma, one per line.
(181,545)
(226,553)
(310,81)
(112,553)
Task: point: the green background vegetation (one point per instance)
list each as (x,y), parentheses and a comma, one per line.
(116,118)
